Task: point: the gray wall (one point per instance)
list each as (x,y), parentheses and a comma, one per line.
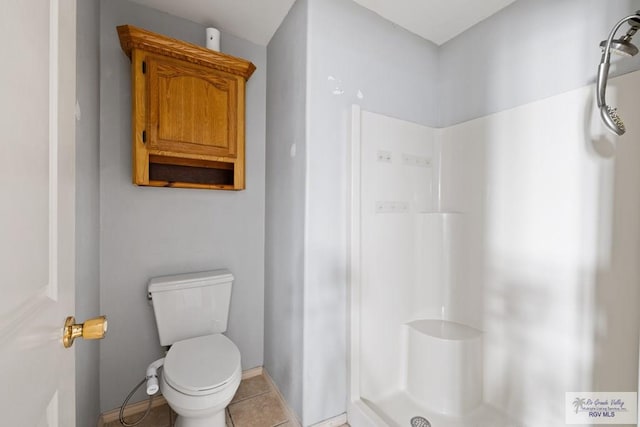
(508,60)
(396,73)
(530,50)
(146,232)
(284,234)
(87,209)
(505,61)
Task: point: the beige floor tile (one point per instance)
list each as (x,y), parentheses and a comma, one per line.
(227,418)
(263,410)
(254,405)
(251,387)
(158,417)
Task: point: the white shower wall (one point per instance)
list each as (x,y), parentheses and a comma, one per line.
(392,192)
(410,251)
(537,208)
(553,206)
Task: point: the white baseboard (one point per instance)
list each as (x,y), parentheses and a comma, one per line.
(132,409)
(253,372)
(293,418)
(333,422)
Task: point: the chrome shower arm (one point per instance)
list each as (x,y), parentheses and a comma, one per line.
(606,55)
(609,114)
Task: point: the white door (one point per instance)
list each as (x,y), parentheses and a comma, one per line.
(37,221)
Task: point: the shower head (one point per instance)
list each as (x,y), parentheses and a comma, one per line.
(612,120)
(622,46)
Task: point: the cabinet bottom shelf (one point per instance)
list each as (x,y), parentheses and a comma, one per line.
(190,174)
(168,171)
(172,184)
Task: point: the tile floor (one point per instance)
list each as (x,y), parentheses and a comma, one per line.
(256,404)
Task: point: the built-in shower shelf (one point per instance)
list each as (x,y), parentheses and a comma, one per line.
(444,329)
(440,213)
(384,206)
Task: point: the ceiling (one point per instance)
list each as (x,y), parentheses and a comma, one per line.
(435,20)
(253,20)
(256,21)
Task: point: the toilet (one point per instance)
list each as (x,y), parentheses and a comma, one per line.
(202,368)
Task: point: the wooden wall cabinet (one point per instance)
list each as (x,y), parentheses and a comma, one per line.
(188,106)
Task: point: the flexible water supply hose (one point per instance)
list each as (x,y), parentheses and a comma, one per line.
(138,421)
(151,379)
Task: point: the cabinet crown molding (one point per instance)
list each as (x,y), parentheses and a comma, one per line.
(137,38)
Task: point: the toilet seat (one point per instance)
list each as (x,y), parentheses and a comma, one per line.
(202,365)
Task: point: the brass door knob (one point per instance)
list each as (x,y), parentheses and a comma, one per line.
(92,329)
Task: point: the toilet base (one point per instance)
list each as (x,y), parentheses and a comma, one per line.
(203,410)
(216,420)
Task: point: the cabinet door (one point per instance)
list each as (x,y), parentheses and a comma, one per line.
(192,109)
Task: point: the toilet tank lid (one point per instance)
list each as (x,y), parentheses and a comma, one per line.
(189,280)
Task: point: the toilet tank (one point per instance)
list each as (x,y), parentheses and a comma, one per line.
(190,305)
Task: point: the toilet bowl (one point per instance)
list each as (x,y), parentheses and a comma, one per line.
(199,378)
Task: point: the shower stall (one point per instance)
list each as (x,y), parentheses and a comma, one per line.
(491,269)
(418,345)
